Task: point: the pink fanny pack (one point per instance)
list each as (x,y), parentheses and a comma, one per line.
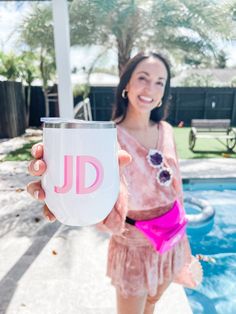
(164,231)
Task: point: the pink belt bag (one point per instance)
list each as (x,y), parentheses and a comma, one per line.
(164,231)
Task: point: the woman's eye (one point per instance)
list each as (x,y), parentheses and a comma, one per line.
(160,83)
(142,78)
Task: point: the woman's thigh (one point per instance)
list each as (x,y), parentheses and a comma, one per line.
(130,304)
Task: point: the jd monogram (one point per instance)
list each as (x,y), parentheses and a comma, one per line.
(80,175)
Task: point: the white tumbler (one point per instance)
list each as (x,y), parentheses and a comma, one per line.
(82,177)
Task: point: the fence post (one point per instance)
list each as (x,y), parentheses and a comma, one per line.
(177,106)
(205,105)
(233,117)
(13,109)
(94,107)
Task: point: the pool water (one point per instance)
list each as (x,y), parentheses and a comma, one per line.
(217,293)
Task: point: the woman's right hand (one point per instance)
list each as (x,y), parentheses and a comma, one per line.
(38,166)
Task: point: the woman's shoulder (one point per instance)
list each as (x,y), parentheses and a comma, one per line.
(166,126)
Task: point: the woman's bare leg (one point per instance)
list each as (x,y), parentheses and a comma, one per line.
(151,301)
(131,304)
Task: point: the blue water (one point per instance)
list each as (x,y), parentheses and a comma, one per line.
(217,293)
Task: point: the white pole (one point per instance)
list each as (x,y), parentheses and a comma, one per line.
(62,51)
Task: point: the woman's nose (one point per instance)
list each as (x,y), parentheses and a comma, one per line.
(149,87)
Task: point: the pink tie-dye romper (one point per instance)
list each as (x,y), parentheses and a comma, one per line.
(134,266)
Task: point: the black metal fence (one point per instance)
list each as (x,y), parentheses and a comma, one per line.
(202,103)
(102,99)
(12,109)
(186,103)
(37,106)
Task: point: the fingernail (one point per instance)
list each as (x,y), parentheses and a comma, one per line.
(47,218)
(33,150)
(36,166)
(36,194)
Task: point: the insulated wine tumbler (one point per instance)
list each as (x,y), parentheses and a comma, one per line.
(81,182)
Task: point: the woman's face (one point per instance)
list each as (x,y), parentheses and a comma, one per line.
(147,85)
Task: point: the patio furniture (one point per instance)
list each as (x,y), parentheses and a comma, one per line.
(219,129)
(83,110)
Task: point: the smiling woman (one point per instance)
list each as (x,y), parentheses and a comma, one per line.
(147,85)
(153,184)
(150,188)
(141,86)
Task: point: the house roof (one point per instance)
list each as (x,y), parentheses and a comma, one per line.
(95,79)
(221,77)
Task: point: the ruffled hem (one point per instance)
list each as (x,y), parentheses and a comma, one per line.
(135,270)
(191,275)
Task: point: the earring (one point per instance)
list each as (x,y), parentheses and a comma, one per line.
(159,105)
(124,94)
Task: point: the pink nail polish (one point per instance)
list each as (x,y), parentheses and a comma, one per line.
(33,150)
(36,194)
(47,218)
(36,166)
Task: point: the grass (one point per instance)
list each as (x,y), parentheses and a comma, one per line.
(204,148)
(21,154)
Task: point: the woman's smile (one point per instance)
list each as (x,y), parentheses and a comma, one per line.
(145,99)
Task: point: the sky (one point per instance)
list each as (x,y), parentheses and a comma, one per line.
(11,14)
(10,17)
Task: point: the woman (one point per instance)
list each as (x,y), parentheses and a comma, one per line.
(150,185)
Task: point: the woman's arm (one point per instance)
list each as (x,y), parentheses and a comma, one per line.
(115,221)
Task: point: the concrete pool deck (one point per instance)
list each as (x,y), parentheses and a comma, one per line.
(55,269)
(208,168)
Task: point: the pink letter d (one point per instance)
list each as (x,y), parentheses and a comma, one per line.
(80,174)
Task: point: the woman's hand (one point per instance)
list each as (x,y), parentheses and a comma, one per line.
(37,167)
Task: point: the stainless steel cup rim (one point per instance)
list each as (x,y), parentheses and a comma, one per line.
(62,123)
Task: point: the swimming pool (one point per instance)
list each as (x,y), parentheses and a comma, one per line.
(217,294)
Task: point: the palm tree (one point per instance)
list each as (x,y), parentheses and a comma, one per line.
(28,73)
(183,28)
(9,66)
(37,32)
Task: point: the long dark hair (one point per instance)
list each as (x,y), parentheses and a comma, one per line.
(121,104)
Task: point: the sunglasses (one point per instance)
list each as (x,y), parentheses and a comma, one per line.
(156,160)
